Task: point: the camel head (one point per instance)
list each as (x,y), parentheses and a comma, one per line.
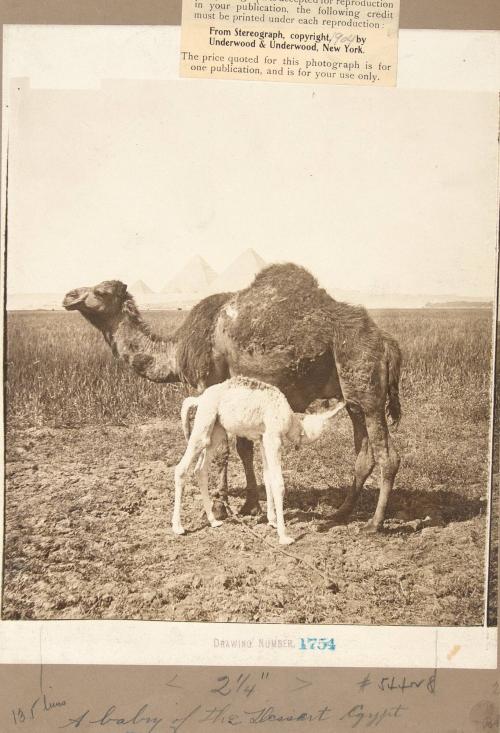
(313,426)
(112,310)
(100,304)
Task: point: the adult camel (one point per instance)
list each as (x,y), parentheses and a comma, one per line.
(285,330)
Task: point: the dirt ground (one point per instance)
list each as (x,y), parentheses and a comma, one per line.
(89,490)
(88,525)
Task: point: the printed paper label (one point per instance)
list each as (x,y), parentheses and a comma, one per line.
(314,41)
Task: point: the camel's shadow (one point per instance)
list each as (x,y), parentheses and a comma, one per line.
(439,506)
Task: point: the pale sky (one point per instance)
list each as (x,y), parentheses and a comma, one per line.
(376,190)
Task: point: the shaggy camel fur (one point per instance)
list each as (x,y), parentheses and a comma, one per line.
(283,330)
(248,409)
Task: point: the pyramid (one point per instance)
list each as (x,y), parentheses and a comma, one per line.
(140,288)
(239,274)
(194,277)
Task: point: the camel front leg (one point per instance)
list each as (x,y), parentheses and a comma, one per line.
(363,466)
(245,452)
(221,458)
(220,495)
(219,435)
(272,448)
(271,511)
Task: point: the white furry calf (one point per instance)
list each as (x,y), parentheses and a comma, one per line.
(249,409)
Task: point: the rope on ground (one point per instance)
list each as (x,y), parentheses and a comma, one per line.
(329,583)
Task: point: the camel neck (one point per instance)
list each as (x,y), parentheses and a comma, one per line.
(151,356)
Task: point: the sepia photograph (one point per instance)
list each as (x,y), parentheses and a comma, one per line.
(249,344)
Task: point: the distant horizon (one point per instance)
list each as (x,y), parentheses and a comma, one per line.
(451,296)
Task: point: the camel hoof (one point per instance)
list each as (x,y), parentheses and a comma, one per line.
(216,523)
(370,527)
(339,518)
(219,509)
(250,508)
(330,524)
(286,540)
(342,515)
(178,530)
(272,524)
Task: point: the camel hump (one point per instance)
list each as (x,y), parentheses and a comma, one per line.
(286,276)
(283,312)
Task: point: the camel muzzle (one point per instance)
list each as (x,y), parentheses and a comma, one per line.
(73,299)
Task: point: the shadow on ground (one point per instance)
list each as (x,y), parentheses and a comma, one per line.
(440,506)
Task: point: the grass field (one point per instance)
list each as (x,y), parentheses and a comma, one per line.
(60,372)
(90,451)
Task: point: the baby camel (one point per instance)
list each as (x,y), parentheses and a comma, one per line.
(248,409)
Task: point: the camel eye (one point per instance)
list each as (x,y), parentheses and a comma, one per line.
(101,293)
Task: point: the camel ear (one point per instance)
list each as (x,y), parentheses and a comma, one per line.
(111,287)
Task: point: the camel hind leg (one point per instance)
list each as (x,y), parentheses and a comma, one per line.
(387,459)
(193,451)
(199,441)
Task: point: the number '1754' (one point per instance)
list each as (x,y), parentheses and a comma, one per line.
(321,643)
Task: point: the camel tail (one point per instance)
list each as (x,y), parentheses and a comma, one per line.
(393,360)
(188,403)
